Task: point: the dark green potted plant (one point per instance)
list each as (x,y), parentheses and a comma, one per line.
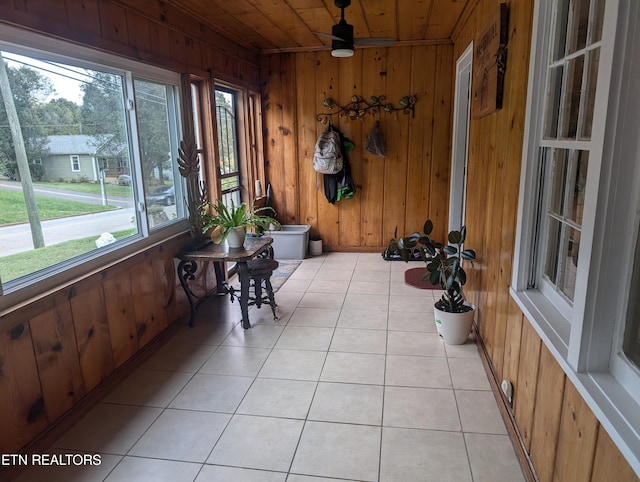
(453,314)
(230,222)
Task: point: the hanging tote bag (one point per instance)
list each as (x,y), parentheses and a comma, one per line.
(375,141)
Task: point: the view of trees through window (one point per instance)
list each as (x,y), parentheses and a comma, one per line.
(69,181)
(229,168)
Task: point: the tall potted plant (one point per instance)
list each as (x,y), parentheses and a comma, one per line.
(230,222)
(453,315)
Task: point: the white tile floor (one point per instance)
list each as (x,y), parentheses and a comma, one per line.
(352,383)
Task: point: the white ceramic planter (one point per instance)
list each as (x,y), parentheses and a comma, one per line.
(235,238)
(454,328)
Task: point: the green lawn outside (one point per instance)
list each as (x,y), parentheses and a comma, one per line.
(13,209)
(89,187)
(21,264)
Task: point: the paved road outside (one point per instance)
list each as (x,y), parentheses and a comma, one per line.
(17,238)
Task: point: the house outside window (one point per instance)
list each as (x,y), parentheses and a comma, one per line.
(128,117)
(577,247)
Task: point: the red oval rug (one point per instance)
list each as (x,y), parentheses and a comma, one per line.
(413,277)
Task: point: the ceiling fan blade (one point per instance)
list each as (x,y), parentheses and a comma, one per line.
(374,41)
(328,35)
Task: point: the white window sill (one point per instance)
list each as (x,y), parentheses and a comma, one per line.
(551,325)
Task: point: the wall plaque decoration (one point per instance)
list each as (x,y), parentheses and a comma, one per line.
(489,64)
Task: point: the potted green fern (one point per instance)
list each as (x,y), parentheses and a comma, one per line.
(453,315)
(230,223)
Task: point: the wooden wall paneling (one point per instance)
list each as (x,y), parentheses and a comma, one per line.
(272,115)
(288,130)
(441,146)
(482,240)
(149,314)
(512,115)
(577,438)
(476,189)
(374,82)
(171,15)
(194,53)
(178,47)
(113,23)
(52,10)
(121,317)
(420,137)
(163,275)
(478,172)
(327,86)
(350,78)
(395,169)
(526,383)
(497,302)
(87,11)
(12,318)
(306,135)
(608,462)
(546,420)
(513,342)
(22,414)
(159,37)
(56,350)
(140,31)
(92,332)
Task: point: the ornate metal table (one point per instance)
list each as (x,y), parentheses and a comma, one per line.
(209,251)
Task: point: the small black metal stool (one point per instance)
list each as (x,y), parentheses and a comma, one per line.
(260,271)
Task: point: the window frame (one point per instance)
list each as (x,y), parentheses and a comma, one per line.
(585,342)
(236,194)
(34,287)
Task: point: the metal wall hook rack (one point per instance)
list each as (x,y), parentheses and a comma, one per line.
(359,107)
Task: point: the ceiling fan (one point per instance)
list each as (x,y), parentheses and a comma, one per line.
(342,41)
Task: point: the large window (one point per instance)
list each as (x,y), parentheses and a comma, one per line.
(87,156)
(577,255)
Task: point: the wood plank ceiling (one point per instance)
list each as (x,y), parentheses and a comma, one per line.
(270,26)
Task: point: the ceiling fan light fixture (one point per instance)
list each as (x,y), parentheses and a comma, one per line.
(342,52)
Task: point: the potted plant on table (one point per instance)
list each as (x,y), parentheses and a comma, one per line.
(230,222)
(453,315)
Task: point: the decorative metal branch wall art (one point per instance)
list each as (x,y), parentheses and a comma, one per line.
(189,167)
(359,107)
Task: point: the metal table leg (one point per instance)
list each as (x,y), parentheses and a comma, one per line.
(245,281)
(186,271)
